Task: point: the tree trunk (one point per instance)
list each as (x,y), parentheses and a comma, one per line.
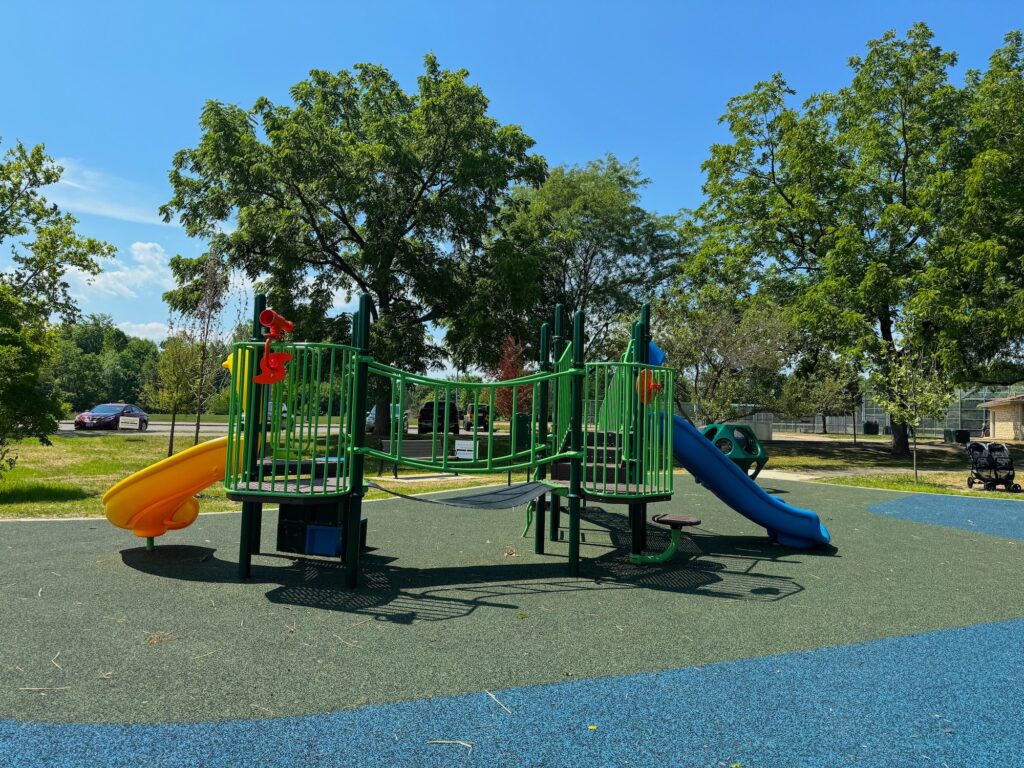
(854,426)
(900,440)
(201,392)
(824,424)
(915,456)
(382,420)
(170,440)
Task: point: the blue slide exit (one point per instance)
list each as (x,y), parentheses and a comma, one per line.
(786,524)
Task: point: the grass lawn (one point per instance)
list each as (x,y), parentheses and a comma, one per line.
(189,418)
(806,455)
(69,478)
(949,483)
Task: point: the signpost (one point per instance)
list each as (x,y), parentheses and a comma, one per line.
(465,449)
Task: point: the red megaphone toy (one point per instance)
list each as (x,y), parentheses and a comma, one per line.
(272,364)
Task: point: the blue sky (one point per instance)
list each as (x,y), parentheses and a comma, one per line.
(114,89)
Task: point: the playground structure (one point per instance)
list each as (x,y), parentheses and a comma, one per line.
(594,431)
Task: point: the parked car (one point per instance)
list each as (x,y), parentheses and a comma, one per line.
(483,416)
(371,418)
(270,414)
(109,415)
(447,412)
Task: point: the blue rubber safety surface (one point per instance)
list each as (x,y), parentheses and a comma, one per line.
(949,698)
(996,517)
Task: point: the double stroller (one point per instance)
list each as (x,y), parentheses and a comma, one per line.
(991,465)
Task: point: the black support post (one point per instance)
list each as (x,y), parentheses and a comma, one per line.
(643,356)
(353,510)
(576,443)
(539,522)
(558,347)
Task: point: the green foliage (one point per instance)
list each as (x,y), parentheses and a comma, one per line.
(835,208)
(98,363)
(43,248)
(821,384)
(29,402)
(582,240)
(728,356)
(41,238)
(975,310)
(356,186)
(912,386)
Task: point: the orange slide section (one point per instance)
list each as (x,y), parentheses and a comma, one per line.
(160,498)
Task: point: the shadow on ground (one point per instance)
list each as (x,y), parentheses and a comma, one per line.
(28,491)
(713,566)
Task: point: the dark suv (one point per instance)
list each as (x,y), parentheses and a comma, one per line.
(425,418)
(483,416)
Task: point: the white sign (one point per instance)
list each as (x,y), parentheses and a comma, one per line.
(128,422)
(465,449)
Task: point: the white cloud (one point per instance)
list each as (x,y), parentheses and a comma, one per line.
(148,269)
(85,190)
(154,331)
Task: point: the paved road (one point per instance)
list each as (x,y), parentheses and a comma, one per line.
(155,428)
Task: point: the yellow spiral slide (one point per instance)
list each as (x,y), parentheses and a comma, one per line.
(161,497)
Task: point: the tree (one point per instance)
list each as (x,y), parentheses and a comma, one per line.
(582,240)
(97,362)
(45,243)
(43,247)
(172,390)
(822,384)
(912,386)
(30,404)
(357,186)
(511,365)
(203,285)
(975,311)
(128,371)
(831,207)
(728,358)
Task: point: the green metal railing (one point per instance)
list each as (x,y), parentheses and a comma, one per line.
(291,439)
(525,449)
(629,436)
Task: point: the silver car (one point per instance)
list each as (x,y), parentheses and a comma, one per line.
(371,418)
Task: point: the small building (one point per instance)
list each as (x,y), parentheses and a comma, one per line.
(1005,418)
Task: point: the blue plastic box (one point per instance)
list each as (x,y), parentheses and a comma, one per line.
(323,540)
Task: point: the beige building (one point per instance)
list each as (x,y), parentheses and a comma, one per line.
(1005,418)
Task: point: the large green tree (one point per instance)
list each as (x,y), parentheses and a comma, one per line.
(582,239)
(831,206)
(358,185)
(975,314)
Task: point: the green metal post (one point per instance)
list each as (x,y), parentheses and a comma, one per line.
(555,522)
(542,437)
(149,543)
(576,443)
(354,509)
(252,511)
(643,356)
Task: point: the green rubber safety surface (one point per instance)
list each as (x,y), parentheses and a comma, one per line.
(97,629)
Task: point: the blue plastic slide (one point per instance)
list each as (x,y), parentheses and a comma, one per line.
(788,525)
